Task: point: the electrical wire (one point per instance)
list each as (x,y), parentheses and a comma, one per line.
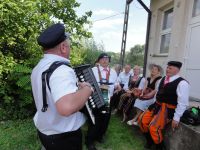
(109,17)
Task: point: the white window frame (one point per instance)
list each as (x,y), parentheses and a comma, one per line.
(165,31)
(193,19)
(193,10)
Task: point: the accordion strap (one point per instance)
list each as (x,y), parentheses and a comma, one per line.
(45,80)
(107,74)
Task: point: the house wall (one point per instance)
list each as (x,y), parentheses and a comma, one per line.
(184,45)
(178,30)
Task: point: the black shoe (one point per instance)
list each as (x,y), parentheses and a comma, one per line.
(149,141)
(160,146)
(91,147)
(101,140)
(147,146)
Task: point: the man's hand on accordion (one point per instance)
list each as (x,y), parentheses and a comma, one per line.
(85,85)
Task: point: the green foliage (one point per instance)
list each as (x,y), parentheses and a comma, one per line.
(20,26)
(17,98)
(91,51)
(6,65)
(115,58)
(87,53)
(135,56)
(19,135)
(21,23)
(76,56)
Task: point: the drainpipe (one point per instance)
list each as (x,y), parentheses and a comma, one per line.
(147,35)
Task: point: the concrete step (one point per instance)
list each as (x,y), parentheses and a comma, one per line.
(186,137)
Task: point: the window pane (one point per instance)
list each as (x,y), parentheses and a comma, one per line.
(196,8)
(165,41)
(168,18)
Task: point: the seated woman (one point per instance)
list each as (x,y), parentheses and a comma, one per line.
(127,99)
(146,98)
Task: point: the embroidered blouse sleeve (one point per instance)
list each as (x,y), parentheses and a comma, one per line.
(142,83)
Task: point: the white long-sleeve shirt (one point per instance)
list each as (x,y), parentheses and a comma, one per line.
(112,78)
(182,92)
(123,78)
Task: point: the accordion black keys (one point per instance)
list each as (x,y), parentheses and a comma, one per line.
(96,102)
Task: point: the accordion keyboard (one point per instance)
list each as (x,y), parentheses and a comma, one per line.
(85,74)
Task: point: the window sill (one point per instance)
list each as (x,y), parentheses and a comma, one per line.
(159,55)
(194,99)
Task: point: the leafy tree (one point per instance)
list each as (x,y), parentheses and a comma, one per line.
(91,50)
(135,56)
(21,22)
(115,57)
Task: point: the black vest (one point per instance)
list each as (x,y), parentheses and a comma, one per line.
(167,93)
(134,84)
(152,84)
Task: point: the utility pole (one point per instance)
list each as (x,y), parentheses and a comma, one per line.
(124,34)
(123,46)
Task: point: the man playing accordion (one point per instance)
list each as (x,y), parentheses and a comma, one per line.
(107,79)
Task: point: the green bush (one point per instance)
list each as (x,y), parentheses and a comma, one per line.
(21,23)
(16,98)
(6,67)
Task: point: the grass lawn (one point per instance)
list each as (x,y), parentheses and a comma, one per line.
(21,135)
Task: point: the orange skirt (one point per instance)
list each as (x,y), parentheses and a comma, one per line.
(155,123)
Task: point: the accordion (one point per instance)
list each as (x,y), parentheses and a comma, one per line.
(96,101)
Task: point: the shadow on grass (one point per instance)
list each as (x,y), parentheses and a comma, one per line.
(120,136)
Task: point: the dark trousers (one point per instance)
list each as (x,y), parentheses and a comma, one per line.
(114,101)
(97,131)
(65,141)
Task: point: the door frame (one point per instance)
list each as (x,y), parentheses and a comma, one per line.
(192,22)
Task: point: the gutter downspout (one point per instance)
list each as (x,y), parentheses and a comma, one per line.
(147,35)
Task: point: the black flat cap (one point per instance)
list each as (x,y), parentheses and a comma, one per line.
(175,63)
(103,55)
(52,36)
